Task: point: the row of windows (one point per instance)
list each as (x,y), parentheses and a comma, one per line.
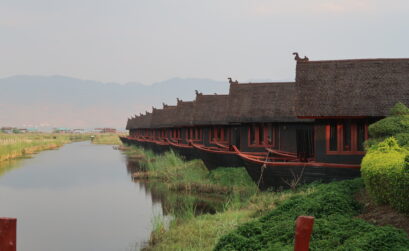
(217,134)
(262,135)
(346,137)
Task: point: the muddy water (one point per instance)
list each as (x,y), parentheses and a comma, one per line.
(79,197)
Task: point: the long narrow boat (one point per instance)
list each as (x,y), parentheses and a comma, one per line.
(271,172)
(214,157)
(185,150)
(129,140)
(160,146)
(223,156)
(124,140)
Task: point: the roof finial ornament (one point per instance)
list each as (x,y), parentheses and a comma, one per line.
(140,114)
(198,93)
(298,59)
(164,105)
(232,82)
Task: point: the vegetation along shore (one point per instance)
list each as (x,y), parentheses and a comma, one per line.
(349,216)
(17,145)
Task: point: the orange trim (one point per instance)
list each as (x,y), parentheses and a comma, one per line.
(250,158)
(282,153)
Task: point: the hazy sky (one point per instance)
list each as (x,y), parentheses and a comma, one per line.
(152,40)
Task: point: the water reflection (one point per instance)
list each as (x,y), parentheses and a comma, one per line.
(77,198)
(81,197)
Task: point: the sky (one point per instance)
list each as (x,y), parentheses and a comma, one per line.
(147,41)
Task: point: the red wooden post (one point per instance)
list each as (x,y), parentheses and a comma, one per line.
(8,228)
(303,230)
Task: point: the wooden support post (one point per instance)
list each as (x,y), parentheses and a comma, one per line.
(303,230)
(8,235)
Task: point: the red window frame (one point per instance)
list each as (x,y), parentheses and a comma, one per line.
(219,134)
(340,139)
(176,133)
(194,133)
(264,142)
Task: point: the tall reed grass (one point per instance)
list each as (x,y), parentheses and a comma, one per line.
(107,139)
(17,145)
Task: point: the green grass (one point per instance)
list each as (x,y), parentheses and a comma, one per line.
(107,139)
(253,220)
(204,231)
(16,145)
(335,228)
(193,175)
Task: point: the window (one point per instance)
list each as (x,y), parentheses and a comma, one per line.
(346,137)
(176,133)
(333,138)
(262,135)
(361,136)
(219,134)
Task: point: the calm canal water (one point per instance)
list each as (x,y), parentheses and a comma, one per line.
(79,197)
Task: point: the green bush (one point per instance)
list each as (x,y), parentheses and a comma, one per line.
(385,173)
(333,206)
(389,126)
(403,139)
(399,109)
(397,123)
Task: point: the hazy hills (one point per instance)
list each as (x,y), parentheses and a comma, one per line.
(57,101)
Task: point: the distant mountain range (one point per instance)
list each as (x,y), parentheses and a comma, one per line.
(58,101)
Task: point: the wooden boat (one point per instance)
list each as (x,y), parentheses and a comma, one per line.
(124,140)
(288,171)
(160,146)
(215,157)
(130,140)
(184,150)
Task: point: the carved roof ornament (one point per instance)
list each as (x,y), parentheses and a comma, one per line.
(232,82)
(298,59)
(140,114)
(198,93)
(165,105)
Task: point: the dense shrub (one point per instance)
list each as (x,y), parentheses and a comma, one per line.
(399,109)
(335,228)
(389,126)
(403,139)
(386,174)
(397,123)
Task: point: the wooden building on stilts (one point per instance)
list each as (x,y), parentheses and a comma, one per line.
(285,134)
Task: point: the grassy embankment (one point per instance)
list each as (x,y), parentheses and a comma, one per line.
(251,220)
(107,139)
(17,145)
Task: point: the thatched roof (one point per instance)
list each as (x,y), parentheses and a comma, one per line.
(133,122)
(144,121)
(210,109)
(184,113)
(128,124)
(365,87)
(162,118)
(262,102)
